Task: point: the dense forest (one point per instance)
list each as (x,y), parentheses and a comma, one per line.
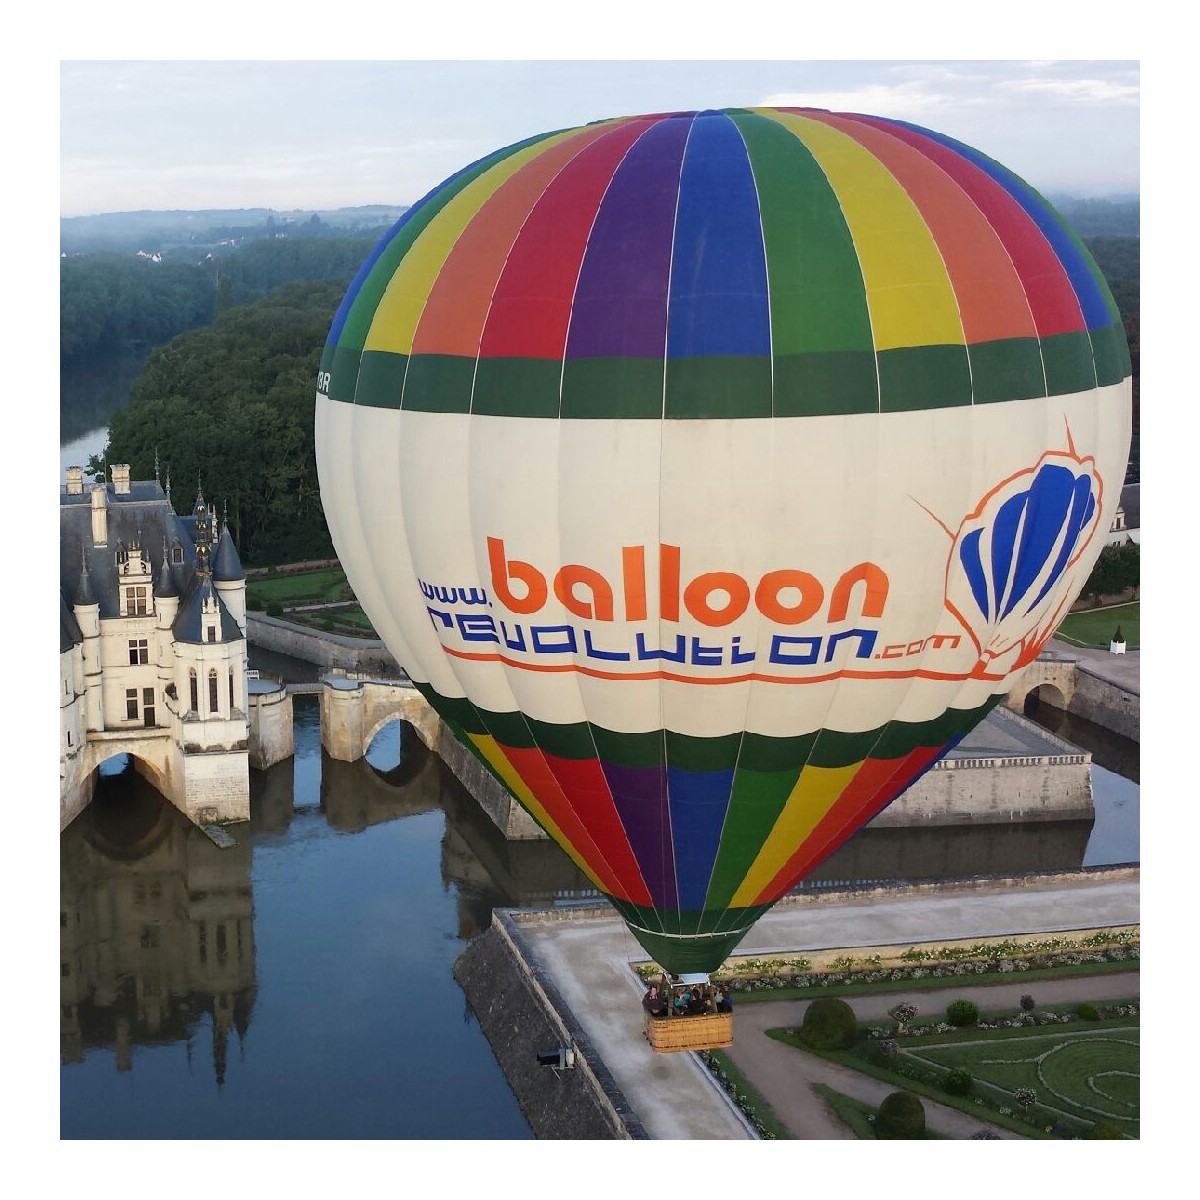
(227,398)
(230,408)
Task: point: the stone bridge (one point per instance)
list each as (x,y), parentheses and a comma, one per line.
(353,711)
(1055,674)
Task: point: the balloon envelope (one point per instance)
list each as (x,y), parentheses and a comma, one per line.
(713,473)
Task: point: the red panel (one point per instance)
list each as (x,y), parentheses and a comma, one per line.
(452,322)
(1051,296)
(875,786)
(584,783)
(531,765)
(990,296)
(539,277)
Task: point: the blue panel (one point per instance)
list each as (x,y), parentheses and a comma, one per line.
(718,300)
(1089,292)
(972,563)
(698,801)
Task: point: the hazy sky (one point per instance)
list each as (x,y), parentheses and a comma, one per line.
(289,134)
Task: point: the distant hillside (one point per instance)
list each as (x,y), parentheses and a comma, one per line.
(188,234)
(1109,216)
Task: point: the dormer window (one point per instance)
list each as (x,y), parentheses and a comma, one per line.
(137,601)
(177,554)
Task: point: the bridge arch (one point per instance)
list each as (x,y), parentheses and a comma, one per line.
(1052,679)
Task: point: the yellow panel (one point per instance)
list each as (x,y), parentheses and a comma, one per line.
(909,294)
(490,749)
(813,796)
(396,317)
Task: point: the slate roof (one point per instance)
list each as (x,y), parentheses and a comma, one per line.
(188,626)
(1131,503)
(143,516)
(69,633)
(227,566)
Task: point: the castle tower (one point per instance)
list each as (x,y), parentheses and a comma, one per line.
(87,614)
(229,578)
(166,607)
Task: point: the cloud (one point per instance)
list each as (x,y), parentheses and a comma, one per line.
(1084,91)
(901,100)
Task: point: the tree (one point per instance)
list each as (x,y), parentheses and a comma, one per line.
(230,408)
(901,1116)
(829,1024)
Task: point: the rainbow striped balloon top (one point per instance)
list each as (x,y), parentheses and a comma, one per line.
(736,263)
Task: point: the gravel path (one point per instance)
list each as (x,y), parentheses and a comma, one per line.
(785,1076)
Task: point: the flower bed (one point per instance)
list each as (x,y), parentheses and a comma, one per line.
(997,956)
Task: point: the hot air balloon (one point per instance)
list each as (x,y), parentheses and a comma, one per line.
(713,473)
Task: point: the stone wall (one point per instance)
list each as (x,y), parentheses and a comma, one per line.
(324,649)
(215,787)
(506,814)
(522,1014)
(991,790)
(272,728)
(1110,707)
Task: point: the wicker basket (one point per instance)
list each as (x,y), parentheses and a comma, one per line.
(669,1034)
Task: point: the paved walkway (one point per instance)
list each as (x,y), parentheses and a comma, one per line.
(589,958)
(1124,670)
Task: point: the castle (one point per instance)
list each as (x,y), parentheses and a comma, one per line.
(152,648)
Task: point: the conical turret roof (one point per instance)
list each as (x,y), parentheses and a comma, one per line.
(226,565)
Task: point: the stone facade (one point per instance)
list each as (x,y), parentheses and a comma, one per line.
(152,653)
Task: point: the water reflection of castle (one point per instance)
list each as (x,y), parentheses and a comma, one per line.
(156,930)
(158,923)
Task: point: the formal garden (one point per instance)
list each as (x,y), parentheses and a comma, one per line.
(1063,1071)
(1057,1070)
(318,598)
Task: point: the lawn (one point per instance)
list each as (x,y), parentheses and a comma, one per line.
(299,587)
(1081,1074)
(1095,627)
(1089,1074)
(350,621)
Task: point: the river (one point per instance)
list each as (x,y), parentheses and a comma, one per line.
(299,984)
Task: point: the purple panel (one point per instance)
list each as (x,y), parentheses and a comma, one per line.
(640,795)
(620,306)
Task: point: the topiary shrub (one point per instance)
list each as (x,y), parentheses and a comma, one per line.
(901,1116)
(829,1024)
(1103,1130)
(962,1012)
(274,609)
(958,1082)
(1028,1003)
(1087,1012)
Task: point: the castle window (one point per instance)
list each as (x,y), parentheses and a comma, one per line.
(70,740)
(138,651)
(177,554)
(195,691)
(212,691)
(131,704)
(212,633)
(231,691)
(136,601)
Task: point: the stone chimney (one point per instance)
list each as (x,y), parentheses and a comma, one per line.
(100,515)
(74,481)
(120,478)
